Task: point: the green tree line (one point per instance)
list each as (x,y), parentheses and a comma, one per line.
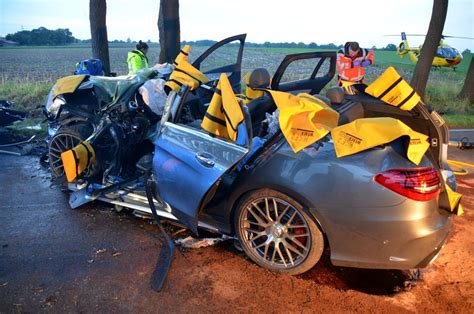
(63,36)
(42,36)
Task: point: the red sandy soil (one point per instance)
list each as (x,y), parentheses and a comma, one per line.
(62,267)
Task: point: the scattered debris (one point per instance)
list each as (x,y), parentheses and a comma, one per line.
(273,123)
(49,301)
(99,251)
(6,103)
(178,232)
(192,243)
(9,116)
(18,147)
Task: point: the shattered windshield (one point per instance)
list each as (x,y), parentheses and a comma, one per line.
(117,86)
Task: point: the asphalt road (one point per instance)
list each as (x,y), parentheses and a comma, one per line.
(56,259)
(462,134)
(49,251)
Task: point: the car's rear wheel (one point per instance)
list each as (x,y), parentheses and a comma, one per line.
(277,233)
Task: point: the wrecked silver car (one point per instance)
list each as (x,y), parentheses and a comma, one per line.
(388,205)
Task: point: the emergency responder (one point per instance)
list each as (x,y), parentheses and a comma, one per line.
(137,58)
(351,61)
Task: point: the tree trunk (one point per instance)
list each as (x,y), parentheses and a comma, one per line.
(168,27)
(468,88)
(428,50)
(100,44)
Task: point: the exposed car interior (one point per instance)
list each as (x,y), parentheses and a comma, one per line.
(195,104)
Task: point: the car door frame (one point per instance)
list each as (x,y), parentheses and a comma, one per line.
(313,84)
(167,126)
(235,68)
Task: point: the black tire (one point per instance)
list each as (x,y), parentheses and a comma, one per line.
(298,242)
(66,138)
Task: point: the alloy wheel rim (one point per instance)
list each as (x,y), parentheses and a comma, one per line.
(59,144)
(275,232)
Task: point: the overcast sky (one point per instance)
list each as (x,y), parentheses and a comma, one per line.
(308,21)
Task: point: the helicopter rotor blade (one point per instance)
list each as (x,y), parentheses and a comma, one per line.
(398,35)
(460,37)
(442,36)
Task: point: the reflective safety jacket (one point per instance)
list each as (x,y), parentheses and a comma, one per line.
(136,60)
(347,71)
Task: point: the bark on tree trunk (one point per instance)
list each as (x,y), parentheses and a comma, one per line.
(428,51)
(100,44)
(468,88)
(168,27)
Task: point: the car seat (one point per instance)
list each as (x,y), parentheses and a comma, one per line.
(260,78)
(335,95)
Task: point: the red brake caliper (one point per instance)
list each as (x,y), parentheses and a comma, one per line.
(298,231)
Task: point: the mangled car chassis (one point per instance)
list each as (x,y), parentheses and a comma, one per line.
(282,169)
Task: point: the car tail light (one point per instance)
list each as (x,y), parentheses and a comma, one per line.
(420,184)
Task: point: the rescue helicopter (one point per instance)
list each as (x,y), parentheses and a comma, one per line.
(446,56)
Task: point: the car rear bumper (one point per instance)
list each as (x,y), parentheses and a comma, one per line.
(395,240)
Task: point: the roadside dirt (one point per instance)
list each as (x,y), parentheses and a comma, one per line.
(56,259)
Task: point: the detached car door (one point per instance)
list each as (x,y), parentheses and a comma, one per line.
(305,72)
(188,163)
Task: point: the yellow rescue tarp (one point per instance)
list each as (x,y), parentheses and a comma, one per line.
(392,89)
(362,134)
(250,93)
(185,73)
(304,119)
(76,160)
(67,84)
(224,113)
(454,201)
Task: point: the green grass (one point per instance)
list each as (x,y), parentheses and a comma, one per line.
(459,120)
(28,96)
(31,71)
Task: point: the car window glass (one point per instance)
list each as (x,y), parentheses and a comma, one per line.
(223,56)
(302,69)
